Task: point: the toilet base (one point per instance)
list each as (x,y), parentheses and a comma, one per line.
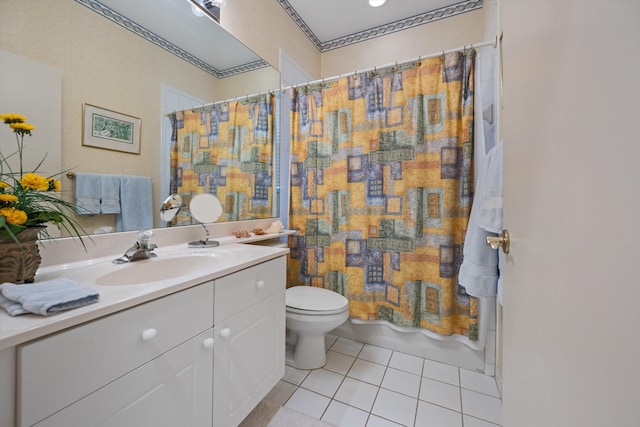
(309,352)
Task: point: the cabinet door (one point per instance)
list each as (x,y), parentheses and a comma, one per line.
(175,389)
(248,359)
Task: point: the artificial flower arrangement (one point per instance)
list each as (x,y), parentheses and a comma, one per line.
(28,199)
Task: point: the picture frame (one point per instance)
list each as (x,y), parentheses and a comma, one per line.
(110,130)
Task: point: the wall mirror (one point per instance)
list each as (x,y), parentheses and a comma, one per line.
(106,58)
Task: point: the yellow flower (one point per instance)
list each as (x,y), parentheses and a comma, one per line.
(13,118)
(4,185)
(8,198)
(54,185)
(14,216)
(21,126)
(33,181)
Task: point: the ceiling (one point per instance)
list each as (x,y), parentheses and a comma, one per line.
(329,24)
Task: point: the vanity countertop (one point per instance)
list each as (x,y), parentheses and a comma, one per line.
(225,259)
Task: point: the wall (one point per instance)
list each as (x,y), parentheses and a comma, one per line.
(105,65)
(449,33)
(265,27)
(571,150)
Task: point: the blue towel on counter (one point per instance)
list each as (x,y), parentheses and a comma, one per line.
(110,194)
(136,210)
(11,307)
(45,298)
(88,193)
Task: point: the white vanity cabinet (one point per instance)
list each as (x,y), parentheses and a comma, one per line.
(174,389)
(128,368)
(202,356)
(249,337)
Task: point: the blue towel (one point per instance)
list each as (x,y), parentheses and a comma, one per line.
(88,193)
(136,210)
(46,297)
(110,194)
(479,271)
(11,307)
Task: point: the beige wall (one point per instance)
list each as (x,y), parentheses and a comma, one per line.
(265,27)
(404,45)
(251,82)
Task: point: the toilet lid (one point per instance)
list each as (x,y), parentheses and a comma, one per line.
(311,298)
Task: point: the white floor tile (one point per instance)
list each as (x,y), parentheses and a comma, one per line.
(342,415)
(440,393)
(366,385)
(293,375)
(478,382)
(375,354)
(395,407)
(347,346)
(470,421)
(441,372)
(402,382)
(482,406)
(367,371)
(406,362)
(338,362)
(323,382)
(308,402)
(357,393)
(375,421)
(281,392)
(437,416)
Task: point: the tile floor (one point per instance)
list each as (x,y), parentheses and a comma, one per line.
(364,385)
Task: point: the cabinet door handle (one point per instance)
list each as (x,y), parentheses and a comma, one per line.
(149,334)
(225,333)
(260,285)
(208,343)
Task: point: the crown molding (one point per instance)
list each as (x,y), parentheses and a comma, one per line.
(382,30)
(130,25)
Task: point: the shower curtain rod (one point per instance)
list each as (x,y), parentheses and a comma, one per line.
(237,98)
(493,43)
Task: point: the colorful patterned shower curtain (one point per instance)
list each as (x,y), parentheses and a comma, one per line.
(225,150)
(381,191)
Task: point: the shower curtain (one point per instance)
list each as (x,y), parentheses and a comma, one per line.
(227,150)
(381,191)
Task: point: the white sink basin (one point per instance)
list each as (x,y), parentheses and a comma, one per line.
(154,270)
(166,266)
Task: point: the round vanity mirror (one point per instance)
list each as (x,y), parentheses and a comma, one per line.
(205,208)
(170,207)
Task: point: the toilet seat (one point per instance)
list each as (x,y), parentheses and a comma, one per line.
(314,301)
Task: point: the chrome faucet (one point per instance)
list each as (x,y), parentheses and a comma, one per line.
(141,250)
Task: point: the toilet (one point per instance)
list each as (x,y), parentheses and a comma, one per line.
(311,313)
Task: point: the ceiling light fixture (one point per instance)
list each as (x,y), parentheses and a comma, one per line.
(208,8)
(196,10)
(376,3)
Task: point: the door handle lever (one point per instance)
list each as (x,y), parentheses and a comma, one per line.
(502,241)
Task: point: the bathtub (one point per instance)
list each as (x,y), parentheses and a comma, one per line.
(454,350)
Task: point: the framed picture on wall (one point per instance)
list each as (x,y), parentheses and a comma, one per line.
(110,130)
